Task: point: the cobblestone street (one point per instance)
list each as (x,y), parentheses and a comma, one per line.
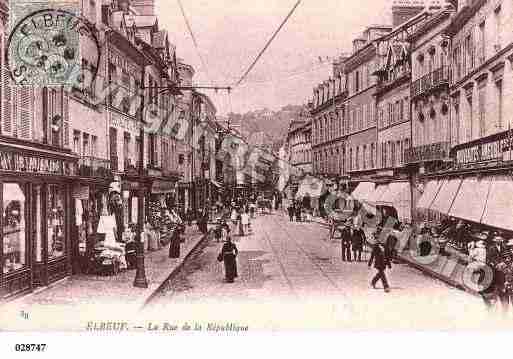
(292,266)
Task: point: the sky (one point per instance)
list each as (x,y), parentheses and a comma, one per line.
(230,33)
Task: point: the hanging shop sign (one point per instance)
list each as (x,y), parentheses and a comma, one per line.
(28,163)
(497,149)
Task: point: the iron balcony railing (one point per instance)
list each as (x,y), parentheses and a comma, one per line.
(94,167)
(430,82)
(426,153)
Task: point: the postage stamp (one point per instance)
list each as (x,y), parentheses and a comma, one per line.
(44,47)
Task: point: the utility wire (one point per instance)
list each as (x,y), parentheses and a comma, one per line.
(268,43)
(286,76)
(189,28)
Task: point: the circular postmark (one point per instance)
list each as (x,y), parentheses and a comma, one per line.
(44,49)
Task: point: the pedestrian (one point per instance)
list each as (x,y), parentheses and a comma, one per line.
(494,250)
(357,240)
(346,242)
(233,215)
(228,255)
(252,208)
(221,228)
(381,261)
(245,220)
(298,212)
(174,245)
(290,210)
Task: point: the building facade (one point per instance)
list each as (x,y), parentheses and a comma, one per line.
(360,125)
(430,107)
(328,117)
(61,151)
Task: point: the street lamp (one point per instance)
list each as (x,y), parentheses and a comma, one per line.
(140,280)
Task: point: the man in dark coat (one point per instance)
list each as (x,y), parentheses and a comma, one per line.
(357,240)
(290,210)
(380,259)
(346,243)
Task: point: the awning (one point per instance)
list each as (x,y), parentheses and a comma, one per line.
(499,206)
(12,192)
(398,196)
(430,191)
(470,201)
(312,186)
(363,191)
(378,192)
(445,197)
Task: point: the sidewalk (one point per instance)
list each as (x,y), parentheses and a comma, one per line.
(440,268)
(87,290)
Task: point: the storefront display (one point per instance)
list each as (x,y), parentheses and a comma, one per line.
(56,222)
(35,218)
(14,243)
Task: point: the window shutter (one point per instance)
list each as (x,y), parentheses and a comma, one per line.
(25,112)
(6,100)
(65,119)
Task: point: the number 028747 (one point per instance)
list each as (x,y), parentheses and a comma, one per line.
(30,347)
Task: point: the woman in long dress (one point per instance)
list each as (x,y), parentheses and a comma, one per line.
(174,246)
(228,255)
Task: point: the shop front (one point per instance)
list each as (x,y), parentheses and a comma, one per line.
(475,196)
(35,202)
(90,197)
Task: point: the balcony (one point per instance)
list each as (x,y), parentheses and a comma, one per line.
(94,167)
(386,83)
(430,82)
(426,153)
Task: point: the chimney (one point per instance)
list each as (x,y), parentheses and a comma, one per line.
(404,10)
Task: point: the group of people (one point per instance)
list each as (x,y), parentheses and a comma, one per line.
(297,211)
(239,216)
(483,246)
(352,240)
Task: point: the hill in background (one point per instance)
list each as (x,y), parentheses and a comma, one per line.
(273,124)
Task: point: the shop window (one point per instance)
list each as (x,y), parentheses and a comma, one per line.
(56,221)
(13,212)
(38,220)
